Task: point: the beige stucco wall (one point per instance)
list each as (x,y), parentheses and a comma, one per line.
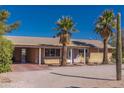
(95,55)
(98,57)
(52,61)
(32,55)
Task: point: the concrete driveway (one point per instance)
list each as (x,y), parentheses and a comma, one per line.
(28,67)
(65,77)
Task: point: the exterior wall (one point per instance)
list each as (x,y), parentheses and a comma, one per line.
(52,61)
(96,56)
(17,55)
(32,55)
(42,56)
(76,56)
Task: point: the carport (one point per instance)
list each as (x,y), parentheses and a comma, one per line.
(24,55)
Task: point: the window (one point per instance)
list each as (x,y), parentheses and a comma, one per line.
(81,52)
(47,52)
(51,52)
(58,52)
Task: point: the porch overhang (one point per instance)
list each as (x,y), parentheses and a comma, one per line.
(37,46)
(78,47)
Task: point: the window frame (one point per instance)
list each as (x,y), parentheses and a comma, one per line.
(52,55)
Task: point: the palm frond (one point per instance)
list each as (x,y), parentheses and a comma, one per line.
(105,23)
(65,26)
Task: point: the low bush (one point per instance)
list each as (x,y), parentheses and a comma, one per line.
(6,54)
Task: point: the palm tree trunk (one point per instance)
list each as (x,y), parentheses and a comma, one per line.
(64,55)
(105,52)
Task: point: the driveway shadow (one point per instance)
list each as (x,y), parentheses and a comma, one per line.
(85,77)
(72,87)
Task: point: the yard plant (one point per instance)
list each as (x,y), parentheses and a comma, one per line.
(119,48)
(6,54)
(6,47)
(104,27)
(65,27)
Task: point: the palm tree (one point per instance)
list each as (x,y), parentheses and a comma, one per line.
(4,27)
(65,27)
(104,27)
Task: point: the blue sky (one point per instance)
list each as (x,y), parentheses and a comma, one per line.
(39,21)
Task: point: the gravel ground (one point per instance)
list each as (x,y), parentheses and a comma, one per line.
(101,76)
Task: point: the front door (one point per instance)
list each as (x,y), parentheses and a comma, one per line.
(82,55)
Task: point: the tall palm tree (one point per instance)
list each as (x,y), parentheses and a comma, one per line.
(105,26)
(65,27)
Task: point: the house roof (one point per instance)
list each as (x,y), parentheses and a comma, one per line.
(23,40)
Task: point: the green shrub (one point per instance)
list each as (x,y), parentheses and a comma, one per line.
(113,60)
(122,54)
(6,54)
(114,55)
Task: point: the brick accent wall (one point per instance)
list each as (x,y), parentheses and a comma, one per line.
(32,55)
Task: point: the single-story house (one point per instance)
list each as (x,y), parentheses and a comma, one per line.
(42,50)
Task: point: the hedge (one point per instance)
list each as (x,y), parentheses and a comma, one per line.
(6,54)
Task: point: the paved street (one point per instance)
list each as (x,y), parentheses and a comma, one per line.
(64,77)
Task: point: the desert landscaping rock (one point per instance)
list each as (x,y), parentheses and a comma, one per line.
(4,80)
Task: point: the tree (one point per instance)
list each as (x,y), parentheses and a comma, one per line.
(118,48)
(65,27)
(6,48)
(105,26)
(4,27)
(112,42)
(123,45)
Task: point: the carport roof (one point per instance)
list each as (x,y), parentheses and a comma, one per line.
(24,40)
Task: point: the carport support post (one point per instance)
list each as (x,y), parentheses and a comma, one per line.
(71,59)
(39,56)
(84,55)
